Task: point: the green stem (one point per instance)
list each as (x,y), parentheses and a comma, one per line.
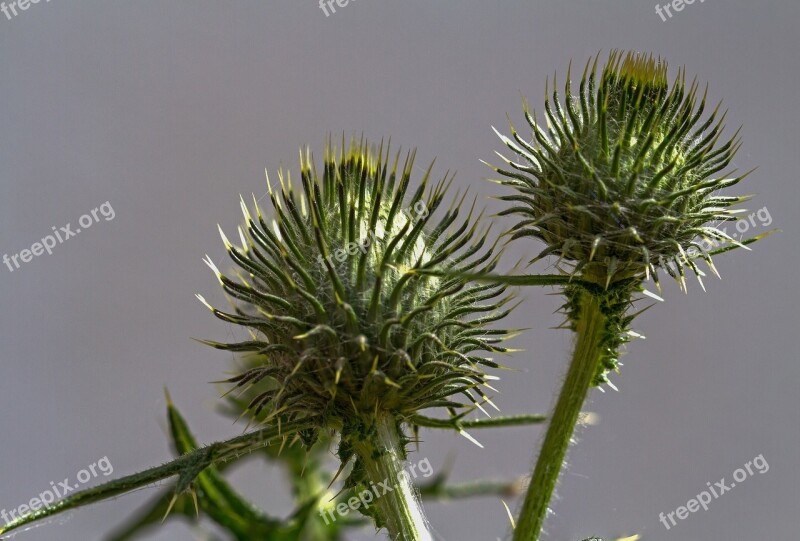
(590,327)
(187,467)
(383,456)
(439,490)
(512,279)
(493,422)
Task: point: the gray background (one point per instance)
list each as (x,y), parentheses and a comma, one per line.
(168,110)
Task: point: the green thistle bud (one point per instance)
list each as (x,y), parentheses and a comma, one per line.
(346,326)
(623,178)
(360,314)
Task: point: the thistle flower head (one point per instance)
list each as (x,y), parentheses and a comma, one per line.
(623,177)
(343,323)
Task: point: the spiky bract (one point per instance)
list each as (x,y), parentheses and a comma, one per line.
(622,179)
(343,322)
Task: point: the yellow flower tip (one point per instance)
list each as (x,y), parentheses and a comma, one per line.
(643,69)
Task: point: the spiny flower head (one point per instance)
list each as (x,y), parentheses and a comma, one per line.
(623,178)
(344,323)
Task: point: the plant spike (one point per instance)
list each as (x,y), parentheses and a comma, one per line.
(629,175)
(336,298)
(621,182)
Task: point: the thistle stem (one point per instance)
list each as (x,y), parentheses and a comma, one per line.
(590,326)
(187,467)
(383,456)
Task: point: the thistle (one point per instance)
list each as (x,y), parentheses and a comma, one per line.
(363,309)
(352,334)
(348,327)
(620,182)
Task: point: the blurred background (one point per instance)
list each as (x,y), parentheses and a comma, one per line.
(169,110)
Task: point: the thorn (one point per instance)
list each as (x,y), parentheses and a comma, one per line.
(652,295)
(595,244)
(196,504)
(486,413)
(510,516)
(245,210)
(283,443)
(204,301)
(214,268)
(470,438)
(269,184)
(713,268)
(255,205)
(488,400)
(338,473)
(243,239)
(225,240)
(169,507)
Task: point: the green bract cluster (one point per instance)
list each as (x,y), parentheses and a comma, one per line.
(345,324)
(623,177)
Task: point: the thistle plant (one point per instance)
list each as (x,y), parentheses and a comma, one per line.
(347,327)
(349,340)
(620,181)
(367,300)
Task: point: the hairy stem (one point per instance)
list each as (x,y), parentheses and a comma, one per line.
(494,422)
(187,467)
(590,328)
(512,279)
(383,457)
(472,489)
